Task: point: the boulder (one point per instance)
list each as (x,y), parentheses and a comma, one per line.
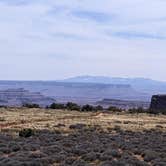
(158,104)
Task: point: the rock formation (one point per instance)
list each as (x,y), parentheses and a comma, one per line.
(17,97)
(158,104)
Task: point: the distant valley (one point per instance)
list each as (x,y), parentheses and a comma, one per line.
(19,97)
(82,90)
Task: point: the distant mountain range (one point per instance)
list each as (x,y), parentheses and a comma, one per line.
(123,92)
(81,93)
(139,84)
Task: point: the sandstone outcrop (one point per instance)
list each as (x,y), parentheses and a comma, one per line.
(17,97)
(158,104)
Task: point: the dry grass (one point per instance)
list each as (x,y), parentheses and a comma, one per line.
(14,119)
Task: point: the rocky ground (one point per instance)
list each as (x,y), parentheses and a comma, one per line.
(83,144)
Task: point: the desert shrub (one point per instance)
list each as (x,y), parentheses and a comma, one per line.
(57,106)
(137,110)
(105,157)
(90,156)
(117,128)
(149,155)
(5,150)
(88,108)
(28,105)
(77,126)
(26,133)
(99,108)
(159,126)
(114,109)
(2,106)
(59,125)
(14,147)
(68,161)
(73,106)
(2,119)
(79,162)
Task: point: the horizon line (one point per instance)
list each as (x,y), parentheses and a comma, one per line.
(66,78)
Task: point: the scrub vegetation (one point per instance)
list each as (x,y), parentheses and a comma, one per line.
(35,136)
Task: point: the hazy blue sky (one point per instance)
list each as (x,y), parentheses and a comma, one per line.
(54,39)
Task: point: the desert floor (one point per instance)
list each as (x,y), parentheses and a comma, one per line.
(81,139)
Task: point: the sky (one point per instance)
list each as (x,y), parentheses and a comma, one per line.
(56,39)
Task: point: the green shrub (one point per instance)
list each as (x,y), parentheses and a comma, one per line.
(114,109)
(99,108)
(2,106)
(137,110)
(73,106)
(27,105)
(26,133)
(88,108)
(57,106)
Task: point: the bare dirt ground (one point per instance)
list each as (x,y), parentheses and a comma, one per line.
(81,139)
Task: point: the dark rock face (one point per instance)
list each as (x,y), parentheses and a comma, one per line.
(158,103)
